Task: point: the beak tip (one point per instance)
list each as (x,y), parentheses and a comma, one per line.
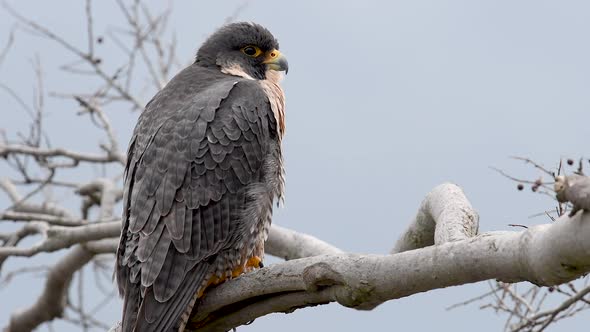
(279,63)
(284,65)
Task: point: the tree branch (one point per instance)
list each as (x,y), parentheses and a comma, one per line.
(288,244)
(21,208)
(52,301)
(445,215)
(544,255)
(59,152)
(60,237)
(50,219)
(547,317)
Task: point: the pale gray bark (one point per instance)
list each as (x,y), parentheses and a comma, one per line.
(574,189)
(545,255)
(59,152)
(445,215)
(288,244)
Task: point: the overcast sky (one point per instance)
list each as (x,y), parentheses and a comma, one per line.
(385,100)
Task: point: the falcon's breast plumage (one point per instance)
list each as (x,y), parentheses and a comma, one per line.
(203,170)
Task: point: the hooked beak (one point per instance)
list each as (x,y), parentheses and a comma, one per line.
(275,60)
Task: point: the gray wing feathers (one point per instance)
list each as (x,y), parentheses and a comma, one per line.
(171,275)
(164,318)
(154,262)
(189,162)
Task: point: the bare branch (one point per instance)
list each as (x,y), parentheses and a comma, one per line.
(365,281)
(52,301)
(8,187)
(113,150)
(547,317)
(18,99)
(19,204)
(88,58)
(57,152)
(59,237)
(508,176)
(27,269)
(445,215)
(48,218)
(7,47)
(288,244)
(536,165)
(104,246)
(474,299)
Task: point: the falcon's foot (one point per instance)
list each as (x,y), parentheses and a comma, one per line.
(254,262)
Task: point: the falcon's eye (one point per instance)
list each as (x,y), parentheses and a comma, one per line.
(252,51)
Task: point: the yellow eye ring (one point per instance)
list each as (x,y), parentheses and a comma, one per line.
(252,51)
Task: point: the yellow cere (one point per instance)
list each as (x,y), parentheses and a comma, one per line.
(271,56)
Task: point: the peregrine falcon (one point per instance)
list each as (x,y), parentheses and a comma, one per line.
(204,167)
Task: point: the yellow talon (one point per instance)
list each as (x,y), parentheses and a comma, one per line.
(254,262)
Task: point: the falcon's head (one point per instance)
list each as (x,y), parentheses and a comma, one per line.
(242,49)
